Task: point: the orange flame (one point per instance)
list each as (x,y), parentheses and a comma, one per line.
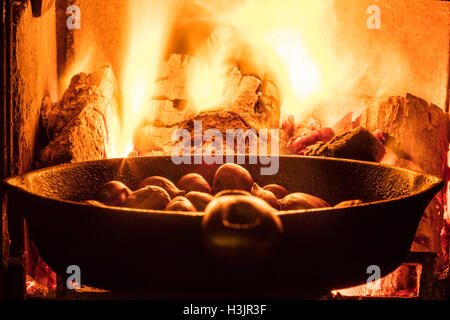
(275,31)
(150,24)
(315,52)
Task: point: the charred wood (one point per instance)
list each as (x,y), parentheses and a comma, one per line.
(357,144)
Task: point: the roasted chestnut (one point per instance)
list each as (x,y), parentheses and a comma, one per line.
(180,203)
(299,201)
(266,195)
(199,199)
(164,183)
(279,191)
(193,182)
(113,193)
(240,230)
(232,176)
(149,197)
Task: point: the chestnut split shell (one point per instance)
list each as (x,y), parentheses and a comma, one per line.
(266,195)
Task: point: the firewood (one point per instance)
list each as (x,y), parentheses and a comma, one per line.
(157,140)
(421,130)
(344,124)
(77,126)
(358,144)
(151,138)
(169,103)
(256,103)
(95,89)
(83,138)
(154,140)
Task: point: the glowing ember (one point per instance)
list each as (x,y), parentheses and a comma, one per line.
(30,284)
(403,282)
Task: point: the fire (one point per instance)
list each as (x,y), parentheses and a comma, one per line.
(82,64)
(288,34)
(302,71)
(150,25)
(206,81)
(307,49)
(282,36)
(291,41)
(285,44)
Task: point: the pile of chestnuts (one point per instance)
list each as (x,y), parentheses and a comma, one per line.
(192,193)
(240,223)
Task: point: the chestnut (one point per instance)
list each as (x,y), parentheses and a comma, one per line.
(232,176)
(193,182)
(279,191)
(299,201)
(113,193)
(266,195)
(150,197)
(348,203)
(240,230)
(199,199)
(180,203)
(164,183)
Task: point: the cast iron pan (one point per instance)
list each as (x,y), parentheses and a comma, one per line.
(162,252)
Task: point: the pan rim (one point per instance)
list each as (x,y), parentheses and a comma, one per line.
(11,184)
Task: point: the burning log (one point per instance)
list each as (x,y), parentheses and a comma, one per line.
(221,121)
(245,98)
(419,130)
(247,102)
(170,98)
(358,144)
(77,126)
(161,137)
(241,95)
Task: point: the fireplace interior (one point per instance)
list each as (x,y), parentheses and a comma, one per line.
(92,80)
